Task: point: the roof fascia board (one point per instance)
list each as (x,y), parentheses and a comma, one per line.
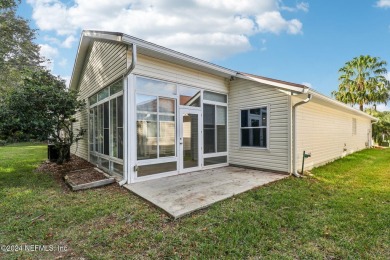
(171,53)
(340,104)
(116,37)
(274,84)
(82,52)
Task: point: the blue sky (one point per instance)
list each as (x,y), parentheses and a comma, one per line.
(298,41)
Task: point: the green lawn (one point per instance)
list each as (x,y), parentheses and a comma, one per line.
(341,212)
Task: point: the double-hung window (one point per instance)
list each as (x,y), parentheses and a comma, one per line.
(254,127)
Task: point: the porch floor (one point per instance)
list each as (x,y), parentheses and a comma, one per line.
(182,194)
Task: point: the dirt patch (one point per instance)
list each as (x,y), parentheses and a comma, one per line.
(85,176)
(81,170)
(75,163)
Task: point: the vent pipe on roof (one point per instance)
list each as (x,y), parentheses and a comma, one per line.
(295,135)
(125,75)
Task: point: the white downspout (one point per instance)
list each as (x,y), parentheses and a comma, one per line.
(126,154)
(295,135)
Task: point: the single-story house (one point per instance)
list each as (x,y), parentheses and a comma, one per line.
(153,112)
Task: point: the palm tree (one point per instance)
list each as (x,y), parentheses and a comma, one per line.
(363,81)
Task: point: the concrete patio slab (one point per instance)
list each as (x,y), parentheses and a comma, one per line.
(182,194)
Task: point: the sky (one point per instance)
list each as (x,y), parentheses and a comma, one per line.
(303,42)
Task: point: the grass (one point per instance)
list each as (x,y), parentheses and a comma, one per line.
(340,212)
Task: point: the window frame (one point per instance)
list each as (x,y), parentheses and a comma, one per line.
(267,147)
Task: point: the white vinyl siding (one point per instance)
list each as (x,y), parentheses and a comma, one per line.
(158,69)
(246,94)
(327,132)
(354,126)
(104,63)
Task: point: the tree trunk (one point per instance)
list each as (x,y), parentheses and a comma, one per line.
(63,153)
(361,107)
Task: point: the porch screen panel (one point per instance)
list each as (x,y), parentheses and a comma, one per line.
(209,128)
(106,128)
(120,126)
(95,129)
(146,127)
(113,128)
(91,133)
(214,128)
(167,127)
(189,96)
(221,129)
(100,128)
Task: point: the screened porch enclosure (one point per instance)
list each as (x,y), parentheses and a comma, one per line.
(106,128)
(171,136)
(172,128)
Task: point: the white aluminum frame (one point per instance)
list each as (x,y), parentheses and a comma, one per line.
(218,154)
(181,168)
(133,162)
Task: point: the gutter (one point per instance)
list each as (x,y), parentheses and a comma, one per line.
(295,135)
(125,75)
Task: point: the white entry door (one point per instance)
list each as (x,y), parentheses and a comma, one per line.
(190,140)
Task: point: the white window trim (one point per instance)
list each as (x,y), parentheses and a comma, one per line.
(120,93)
(268,106)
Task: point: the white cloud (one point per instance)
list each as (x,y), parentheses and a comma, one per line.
(263,45)
(49,53)
(302,6)
(51,40)
(68,41)
(273,22)
(383,3)
(203,28)
(63,62)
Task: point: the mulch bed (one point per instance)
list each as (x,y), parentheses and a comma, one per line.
(380,147)
(85,176)
(78,170)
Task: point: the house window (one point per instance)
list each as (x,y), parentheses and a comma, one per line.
(254,125)
(354,126)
